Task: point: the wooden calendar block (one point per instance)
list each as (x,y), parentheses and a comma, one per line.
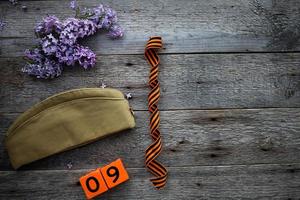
(114,173)
(93,184)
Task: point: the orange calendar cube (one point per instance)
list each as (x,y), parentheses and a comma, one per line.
(114,173)
(93,184)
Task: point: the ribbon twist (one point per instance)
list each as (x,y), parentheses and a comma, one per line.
(157,169)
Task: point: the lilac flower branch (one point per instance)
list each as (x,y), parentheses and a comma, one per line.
(58,41)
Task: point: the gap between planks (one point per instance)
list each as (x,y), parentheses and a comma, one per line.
(168,167)
(197,109)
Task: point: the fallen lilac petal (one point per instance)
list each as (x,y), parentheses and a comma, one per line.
(2,25)
(24,8)
(128,96)
(73,4)
(103,85)
(69,165)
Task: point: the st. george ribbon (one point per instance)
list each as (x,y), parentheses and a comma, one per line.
(157,169)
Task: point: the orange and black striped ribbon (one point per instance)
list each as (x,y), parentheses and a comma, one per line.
(157,169)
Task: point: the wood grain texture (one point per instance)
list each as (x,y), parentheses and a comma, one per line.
(198,182)
(186,26)
(220,58)
(190,137)
(195,81)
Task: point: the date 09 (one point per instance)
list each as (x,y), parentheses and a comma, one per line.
(102,179)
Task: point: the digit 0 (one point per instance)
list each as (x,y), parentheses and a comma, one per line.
(93,184)
(114,174)
(87,182)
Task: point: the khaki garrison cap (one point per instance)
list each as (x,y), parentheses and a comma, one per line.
(65,121)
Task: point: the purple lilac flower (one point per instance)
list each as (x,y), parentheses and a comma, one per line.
(66,54)
(46,68)
(49,44)
(102,16)
(50,24)
(76,28)
(34,55)
(99,10)
(13,2)
(73,4)
(105,23)
(70,55)
(86,28)
(107,17)
(69,33)
(115,32)
(2,24)
(92,14)
(86,57)
(111,15)
(40,66)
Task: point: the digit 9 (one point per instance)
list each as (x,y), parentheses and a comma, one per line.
(113,172)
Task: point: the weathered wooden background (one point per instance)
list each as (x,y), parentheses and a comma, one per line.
(230,104)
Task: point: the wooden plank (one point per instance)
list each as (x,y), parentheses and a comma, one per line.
(191,137)
(199,182)
(202,26)
(194,81)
